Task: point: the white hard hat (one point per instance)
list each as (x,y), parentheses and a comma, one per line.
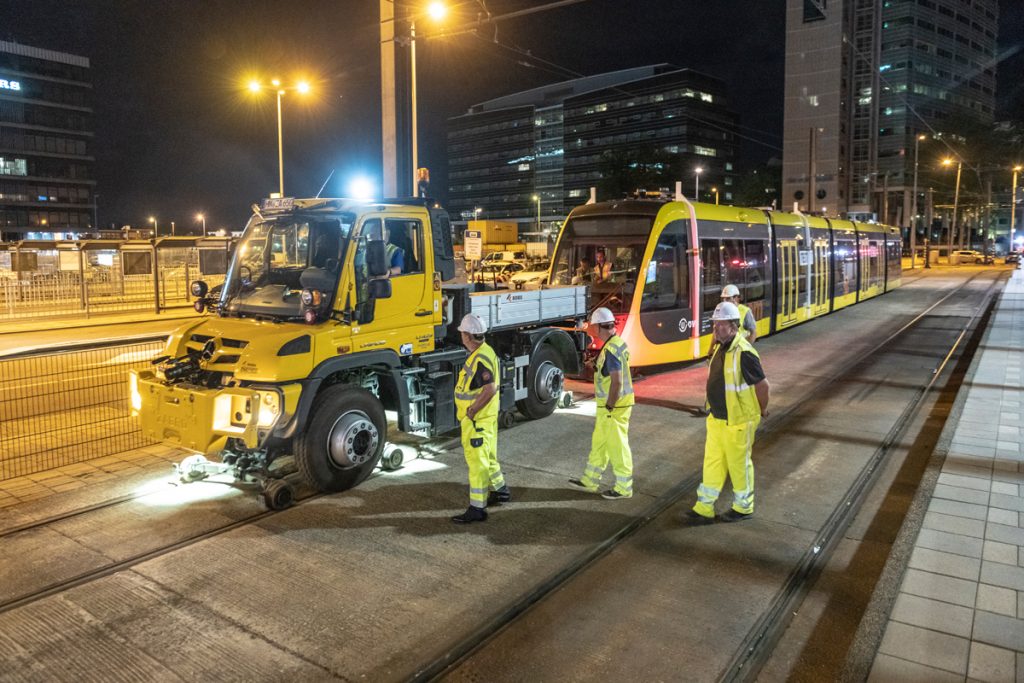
(472,324)
(601,316)
(726,311)
(730,291)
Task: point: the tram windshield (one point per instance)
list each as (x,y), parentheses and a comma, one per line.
(604,252)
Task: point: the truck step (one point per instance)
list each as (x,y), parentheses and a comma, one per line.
(419,426)
(418,397)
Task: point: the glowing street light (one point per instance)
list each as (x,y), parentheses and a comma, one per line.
(301,87)
(913,204)
(715,190)
(696,183)
(536,198)
(201,217)
(956,201)
(437,12)
(156,227)
(1013,203)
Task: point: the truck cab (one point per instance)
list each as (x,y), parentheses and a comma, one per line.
(332,314)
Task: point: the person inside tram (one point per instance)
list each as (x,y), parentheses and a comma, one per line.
(602,268)
(582,274)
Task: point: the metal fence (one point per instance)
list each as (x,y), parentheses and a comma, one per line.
(64,406)
(93,277)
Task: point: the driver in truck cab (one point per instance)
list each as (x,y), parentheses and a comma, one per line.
(476,400)
(395,254)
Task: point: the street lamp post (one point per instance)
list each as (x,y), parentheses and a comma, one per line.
(156,227)
(202,218)
(696,183)
(301,87)
(913,207)
(956,204)
(536,198)
(715,190)
(1013,204)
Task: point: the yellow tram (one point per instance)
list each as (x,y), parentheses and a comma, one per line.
(660,266)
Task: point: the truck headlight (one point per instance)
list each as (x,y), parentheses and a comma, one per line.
(133,391)
(269,409)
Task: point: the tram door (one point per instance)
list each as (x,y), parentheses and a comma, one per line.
(820,273)
(789,282)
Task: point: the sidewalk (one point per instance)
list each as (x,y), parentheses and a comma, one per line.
(43,323)
(959,612)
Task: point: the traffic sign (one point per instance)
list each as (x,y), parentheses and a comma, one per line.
(473,244)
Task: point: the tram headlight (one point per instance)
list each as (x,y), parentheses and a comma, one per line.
(269,408)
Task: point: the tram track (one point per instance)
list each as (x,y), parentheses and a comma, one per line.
(766,631)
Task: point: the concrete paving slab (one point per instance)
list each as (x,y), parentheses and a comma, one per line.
(939,587)
(993,664)
(950,543)
(948,564)
(998,574)
(925,646)
(935,615)
(888,668)
(997,599)
(999,630)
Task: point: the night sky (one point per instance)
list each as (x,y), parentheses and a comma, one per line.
(177,133)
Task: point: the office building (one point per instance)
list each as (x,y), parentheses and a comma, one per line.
(864,78)
(46,138)
(557,141)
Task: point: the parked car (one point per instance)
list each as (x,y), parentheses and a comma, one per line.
(497,274)
(532,277)
(1012,257)
(503,256)
(967,256)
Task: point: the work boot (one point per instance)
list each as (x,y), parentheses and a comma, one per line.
(694,518)
(502,495)
(472,514)
(734,516)
(578,483)
(612,494)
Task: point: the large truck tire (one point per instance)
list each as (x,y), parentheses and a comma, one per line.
(343,439)
(544,380)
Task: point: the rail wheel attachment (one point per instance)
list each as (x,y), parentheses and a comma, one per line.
(278,494)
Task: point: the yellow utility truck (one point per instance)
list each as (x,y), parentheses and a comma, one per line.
(333,317)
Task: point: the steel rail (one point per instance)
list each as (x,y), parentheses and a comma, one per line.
(757,646)
(446,661)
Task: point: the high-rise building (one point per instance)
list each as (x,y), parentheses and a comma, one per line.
(46,139)
(554,142)
(864,78)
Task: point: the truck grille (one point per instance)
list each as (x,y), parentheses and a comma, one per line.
(221,361)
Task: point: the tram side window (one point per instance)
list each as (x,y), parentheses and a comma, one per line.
(711,266)
(666,282)
(757,275)
(894,260)
(845,267)
(874,257)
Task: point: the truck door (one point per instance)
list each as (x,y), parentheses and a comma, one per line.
(404,321)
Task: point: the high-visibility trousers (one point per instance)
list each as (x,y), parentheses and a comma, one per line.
(727,451)
(482,459)
(610,444)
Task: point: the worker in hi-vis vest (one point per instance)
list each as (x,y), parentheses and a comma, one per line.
(613,393)
(476,400)
(748,325)
(737,399)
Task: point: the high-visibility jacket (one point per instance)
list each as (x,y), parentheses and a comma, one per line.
(465,395)
(602,383)
(740,398)
(744,310)
(389,253)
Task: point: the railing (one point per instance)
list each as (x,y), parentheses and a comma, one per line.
(61,406)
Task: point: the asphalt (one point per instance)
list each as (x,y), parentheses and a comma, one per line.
(376,583)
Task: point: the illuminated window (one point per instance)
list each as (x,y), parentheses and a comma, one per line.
(13,166)
(705,151)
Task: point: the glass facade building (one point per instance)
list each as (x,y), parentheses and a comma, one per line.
(46,139)
(863,79)
(553,142)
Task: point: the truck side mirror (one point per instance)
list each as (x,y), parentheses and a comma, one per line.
(376,259)
(380,289)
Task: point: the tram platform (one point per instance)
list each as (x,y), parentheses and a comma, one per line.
(957,601)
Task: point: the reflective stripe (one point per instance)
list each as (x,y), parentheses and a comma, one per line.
(464,395)
(616,347)
(706,494)
(737,387)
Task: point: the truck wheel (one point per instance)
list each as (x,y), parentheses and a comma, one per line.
(544,381)
(343,440)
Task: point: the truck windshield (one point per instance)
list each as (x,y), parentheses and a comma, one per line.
(605,253)
(266,273)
